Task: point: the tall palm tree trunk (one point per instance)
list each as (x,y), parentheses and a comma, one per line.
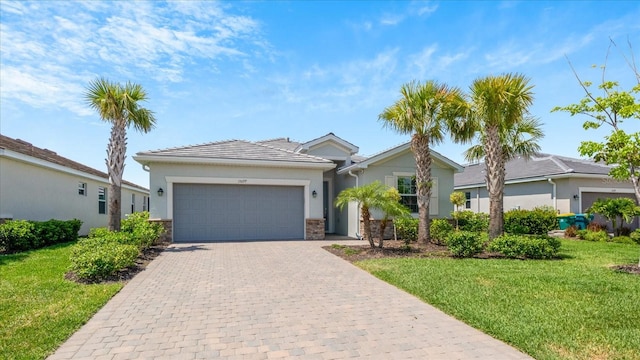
(422,153)
(366,223)
(116,150)
(495,175)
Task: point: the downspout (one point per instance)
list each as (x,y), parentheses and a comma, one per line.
(555,198)
(357,210)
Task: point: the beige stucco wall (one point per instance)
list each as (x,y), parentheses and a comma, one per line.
(405,163)
(539,193)
(161,175)
(40,193)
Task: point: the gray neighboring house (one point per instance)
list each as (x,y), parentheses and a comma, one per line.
(564,183)
(38,184)
(275,189)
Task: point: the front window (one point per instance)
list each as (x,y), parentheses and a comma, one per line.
(408,194)
(102,200)
(82,188)
(145,203)
(467,203)
(133,203)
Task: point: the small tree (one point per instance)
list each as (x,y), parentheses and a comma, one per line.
(391,208)
(369,197)
(623,209)
(611,107)
(458,199)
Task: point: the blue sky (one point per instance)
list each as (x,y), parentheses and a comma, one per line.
(260,70)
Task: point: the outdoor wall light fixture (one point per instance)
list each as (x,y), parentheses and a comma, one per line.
(576,197)
(160,192)
(314,194)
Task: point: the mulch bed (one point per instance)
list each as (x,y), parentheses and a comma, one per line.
(397,249)
(390,249)
(145,257)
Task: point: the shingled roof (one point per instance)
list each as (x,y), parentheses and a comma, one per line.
(238,150)
(26,148)
(539,166)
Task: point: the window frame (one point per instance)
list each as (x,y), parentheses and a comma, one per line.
(82,188)
(102,200)
(467,202)
(133,203)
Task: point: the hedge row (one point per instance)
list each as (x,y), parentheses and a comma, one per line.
(538,221)
(105,252)
(23,235)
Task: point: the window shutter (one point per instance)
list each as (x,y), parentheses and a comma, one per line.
(433,200)
(391,181)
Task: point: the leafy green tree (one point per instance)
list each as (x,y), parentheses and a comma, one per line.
(611,107)
(118,105)
(369,197)
(425,111)
(500,125)
(614,209)
(458,199)
(391,208)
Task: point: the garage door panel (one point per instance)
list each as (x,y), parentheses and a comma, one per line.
(205,212)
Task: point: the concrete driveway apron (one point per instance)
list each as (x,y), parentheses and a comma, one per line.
(270,300)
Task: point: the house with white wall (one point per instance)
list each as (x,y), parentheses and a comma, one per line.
(566,184)
(38,184)
(277,189)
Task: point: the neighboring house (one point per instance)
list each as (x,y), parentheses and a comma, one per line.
(563,183)
(38,184)
(276,189)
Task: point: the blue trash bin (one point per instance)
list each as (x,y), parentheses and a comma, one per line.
(582,220)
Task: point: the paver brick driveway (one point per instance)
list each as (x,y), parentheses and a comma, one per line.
(268,300)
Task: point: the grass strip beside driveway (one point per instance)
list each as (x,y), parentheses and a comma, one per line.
(574,308)
(39,309)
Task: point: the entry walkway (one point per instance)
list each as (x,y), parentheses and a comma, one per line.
(270,300)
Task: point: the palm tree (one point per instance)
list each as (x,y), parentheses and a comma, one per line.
(391,208)
(119,106)
(369,197)
(499,121)
(424,111)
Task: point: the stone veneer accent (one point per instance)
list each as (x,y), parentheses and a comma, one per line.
(314,229)
(167,235)
(375,229)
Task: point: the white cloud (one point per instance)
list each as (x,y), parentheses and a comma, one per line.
(122,39)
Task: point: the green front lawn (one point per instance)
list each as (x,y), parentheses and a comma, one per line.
(574,308)
(39,309)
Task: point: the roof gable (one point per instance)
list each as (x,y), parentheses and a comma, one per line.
(396,151)
(329,139)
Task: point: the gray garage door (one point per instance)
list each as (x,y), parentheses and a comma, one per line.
(588,198)
(204,212)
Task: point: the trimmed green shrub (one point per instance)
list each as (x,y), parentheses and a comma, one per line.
(470,221)
(407,229)
(440,229)
(538,221)
(635,236)
(143,233)
(622,240)
(522,246)
(53,231)
(465,243)
(99,232)
(17,235)
(601,236)
(23,235)
(98,258)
